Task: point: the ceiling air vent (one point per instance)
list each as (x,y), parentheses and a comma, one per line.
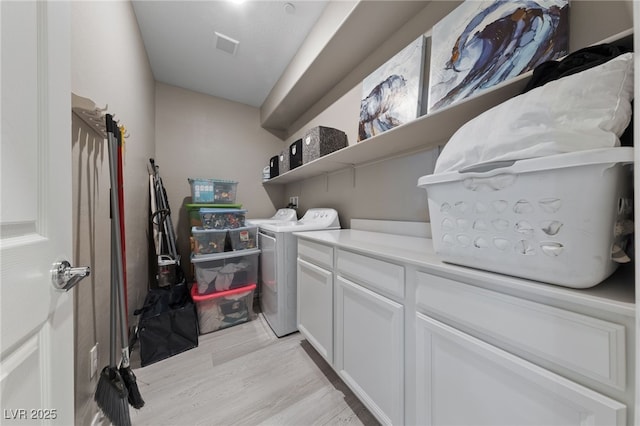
(226,44)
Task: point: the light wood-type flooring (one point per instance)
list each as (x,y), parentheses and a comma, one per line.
(245,375)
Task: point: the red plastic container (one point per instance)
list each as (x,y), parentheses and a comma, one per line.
(224,308)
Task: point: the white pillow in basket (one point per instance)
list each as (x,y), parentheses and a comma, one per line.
(587,110)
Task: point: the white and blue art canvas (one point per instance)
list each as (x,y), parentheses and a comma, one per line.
(391,94)
(483,43)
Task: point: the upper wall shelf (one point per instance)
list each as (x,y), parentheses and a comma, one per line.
(367,26)
(427,131)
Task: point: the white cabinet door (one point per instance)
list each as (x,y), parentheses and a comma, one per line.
(369,349)
(463,380)
(315,307)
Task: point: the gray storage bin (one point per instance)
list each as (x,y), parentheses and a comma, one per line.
(320,141)
(283,162)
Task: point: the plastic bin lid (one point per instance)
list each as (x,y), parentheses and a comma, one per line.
(211,180)
(197,258)
(198,206)
(201,230)
(203,297)
(222,210)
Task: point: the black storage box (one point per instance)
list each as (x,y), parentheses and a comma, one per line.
(273,166)
(295,154)
(168,323)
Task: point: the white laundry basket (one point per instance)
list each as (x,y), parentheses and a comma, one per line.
(551,219)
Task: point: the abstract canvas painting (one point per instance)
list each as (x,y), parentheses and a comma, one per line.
(391,94)
(483,43)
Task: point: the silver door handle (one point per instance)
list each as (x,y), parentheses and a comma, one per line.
(64,277)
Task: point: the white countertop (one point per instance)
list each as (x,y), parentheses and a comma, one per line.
(615,295)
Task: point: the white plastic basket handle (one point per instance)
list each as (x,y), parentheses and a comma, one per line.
(487,167)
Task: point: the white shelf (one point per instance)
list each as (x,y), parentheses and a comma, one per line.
(423,133)
(428,131)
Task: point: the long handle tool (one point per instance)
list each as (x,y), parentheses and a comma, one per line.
(111,393)
(134,397)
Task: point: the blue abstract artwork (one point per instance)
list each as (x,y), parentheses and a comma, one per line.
(391,94)
(483,43)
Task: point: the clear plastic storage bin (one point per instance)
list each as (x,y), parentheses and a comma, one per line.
(208,241)
(243,238)
(555,219)
(224,271)
(224,309)
(222,218)
(193,210)
(217,191)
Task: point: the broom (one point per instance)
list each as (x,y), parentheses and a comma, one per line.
(111,393)
(133,393)
(134,397)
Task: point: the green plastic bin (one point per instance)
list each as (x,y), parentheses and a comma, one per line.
(193,210)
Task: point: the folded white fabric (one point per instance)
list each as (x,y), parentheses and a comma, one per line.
(587,110)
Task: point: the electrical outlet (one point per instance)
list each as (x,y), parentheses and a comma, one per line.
(93,363)
(294,201)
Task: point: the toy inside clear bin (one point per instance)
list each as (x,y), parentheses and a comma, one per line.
(243,238)
(222,218)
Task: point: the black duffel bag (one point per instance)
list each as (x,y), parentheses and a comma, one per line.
(573,63)
(168,323)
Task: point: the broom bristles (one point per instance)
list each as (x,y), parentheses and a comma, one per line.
(135,398)
(111,397)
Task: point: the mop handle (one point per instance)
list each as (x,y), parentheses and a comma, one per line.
(117,241)
(112,308)
(113,277)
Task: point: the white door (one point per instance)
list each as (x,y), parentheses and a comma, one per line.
(36,358)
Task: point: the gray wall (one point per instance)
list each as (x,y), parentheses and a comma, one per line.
(126,85)
(203,136)
(380,190)
(385,190)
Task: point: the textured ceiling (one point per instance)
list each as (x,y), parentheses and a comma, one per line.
(179,37)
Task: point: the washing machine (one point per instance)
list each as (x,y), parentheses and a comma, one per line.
(278,263)
(282,215)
